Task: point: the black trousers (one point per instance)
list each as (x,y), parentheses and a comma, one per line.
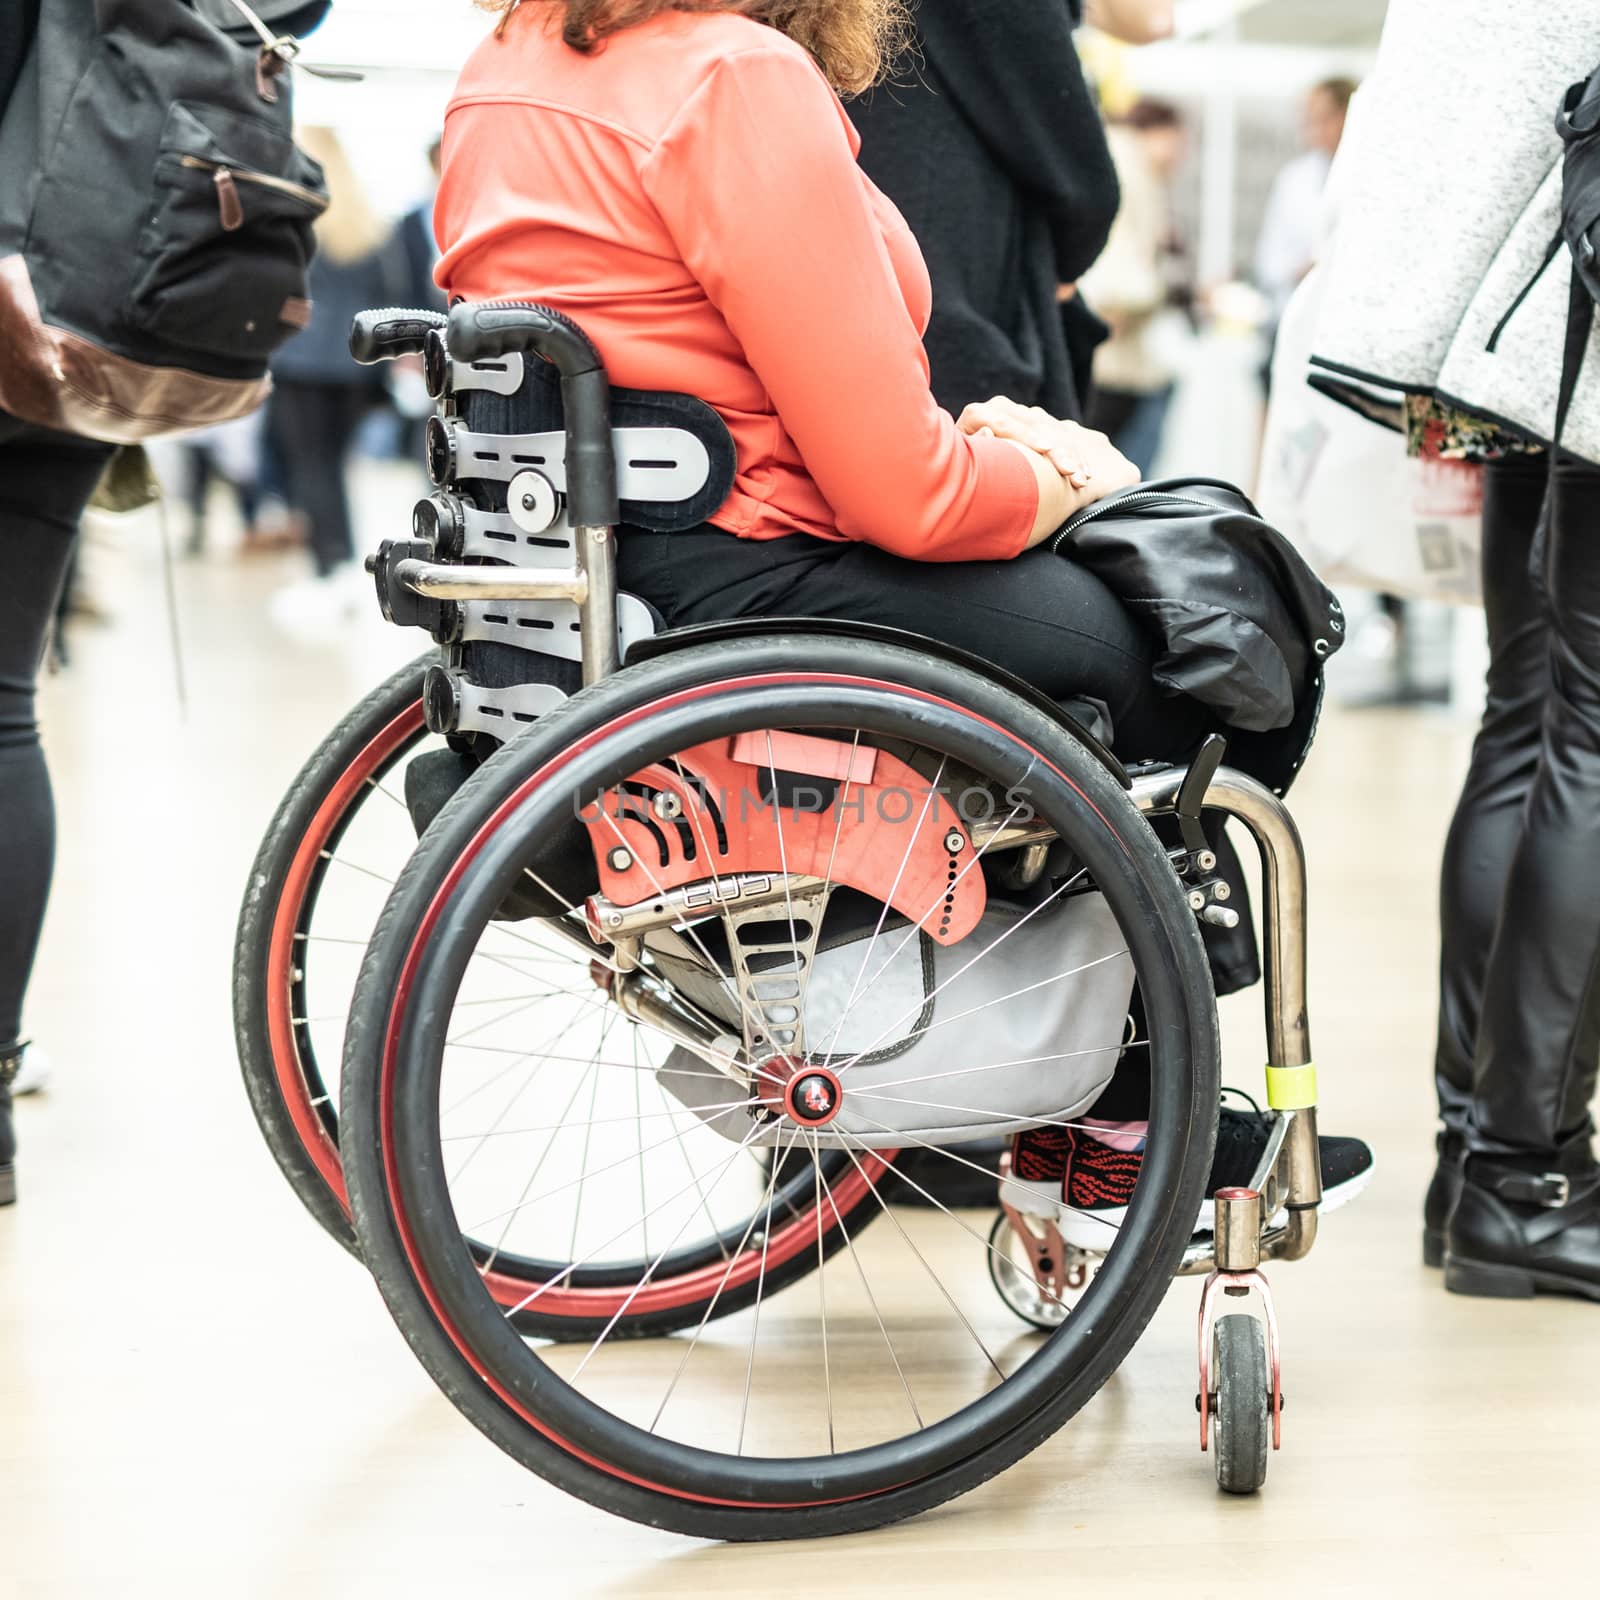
(45,482)
(1039,616)
(314,424)
(1519,1011)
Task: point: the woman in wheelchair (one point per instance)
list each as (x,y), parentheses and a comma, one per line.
(682,182)
(675,977)
(685,188)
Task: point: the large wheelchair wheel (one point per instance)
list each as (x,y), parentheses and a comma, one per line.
(328,861)
(894,1378)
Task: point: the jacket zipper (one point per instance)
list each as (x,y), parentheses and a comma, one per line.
(227,179)
(1113,503)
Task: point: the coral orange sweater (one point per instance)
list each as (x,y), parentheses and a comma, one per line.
(689,194)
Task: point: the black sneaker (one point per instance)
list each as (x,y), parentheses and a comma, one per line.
(1242,1141)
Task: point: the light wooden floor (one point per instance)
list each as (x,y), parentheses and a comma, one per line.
(200,1396)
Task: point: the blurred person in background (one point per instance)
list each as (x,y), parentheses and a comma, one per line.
(415,235)
(1421,274)
(1131,21)
(321,395)
(229,453)
(993,150)
(1290,230)
(1136,279)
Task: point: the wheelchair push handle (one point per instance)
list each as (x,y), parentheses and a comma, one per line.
(391,331)
(492,328)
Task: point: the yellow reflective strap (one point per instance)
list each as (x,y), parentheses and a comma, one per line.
(1291,1088)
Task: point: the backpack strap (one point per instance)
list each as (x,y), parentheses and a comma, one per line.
(1580,323)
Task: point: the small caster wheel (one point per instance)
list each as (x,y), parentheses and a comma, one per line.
(1241,1404)
(1012,1271)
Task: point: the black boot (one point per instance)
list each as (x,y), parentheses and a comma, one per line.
(1525,1225)
(1441,1197)
(10,1063)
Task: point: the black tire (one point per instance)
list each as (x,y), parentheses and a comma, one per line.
(270,1057)
(1244,1404)
(450,888)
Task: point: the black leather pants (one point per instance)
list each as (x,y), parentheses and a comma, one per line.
(1519,1012)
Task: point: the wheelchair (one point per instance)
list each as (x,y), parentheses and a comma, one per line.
(707,933)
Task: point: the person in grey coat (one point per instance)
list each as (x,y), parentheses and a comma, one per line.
(1456,164)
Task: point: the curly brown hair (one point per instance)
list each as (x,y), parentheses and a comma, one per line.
(854,41)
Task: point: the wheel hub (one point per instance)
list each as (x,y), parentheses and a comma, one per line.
(808,1096)
(813,1097)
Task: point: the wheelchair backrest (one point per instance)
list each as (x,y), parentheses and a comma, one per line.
(498,452)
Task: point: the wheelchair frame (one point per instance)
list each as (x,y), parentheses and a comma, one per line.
(1287,1178)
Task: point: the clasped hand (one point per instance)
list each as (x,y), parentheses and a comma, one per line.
(1090,466)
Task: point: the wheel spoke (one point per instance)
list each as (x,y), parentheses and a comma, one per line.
(544,1155)
(916,927)
(674,1112)
(689,931)
(650,1271)
(567,1271)
(722,1283)
(609,1167)
(939,1205)
(591,1122)
(1016,1061)
(520,1055)
(755,1320)
(900,1136)
(938,1282)
(638,1129)
(888,900)
(872,1299)
(974,1111)
(822,1286)
(967,966)
(583,1162)
(383,789)
(355,866)
(788,901)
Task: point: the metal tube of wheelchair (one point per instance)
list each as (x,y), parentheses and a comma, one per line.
(1283,871)
(597,607)
(646,999)
(1283,874)
(438,581)
(1237,1229)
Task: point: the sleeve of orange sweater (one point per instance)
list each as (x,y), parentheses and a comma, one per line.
(758,184)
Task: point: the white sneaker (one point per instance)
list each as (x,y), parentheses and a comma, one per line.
(323,602)
(34,1073)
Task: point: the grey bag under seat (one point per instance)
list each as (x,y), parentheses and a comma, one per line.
(992,1041)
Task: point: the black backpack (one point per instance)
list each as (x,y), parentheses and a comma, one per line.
(155,215)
